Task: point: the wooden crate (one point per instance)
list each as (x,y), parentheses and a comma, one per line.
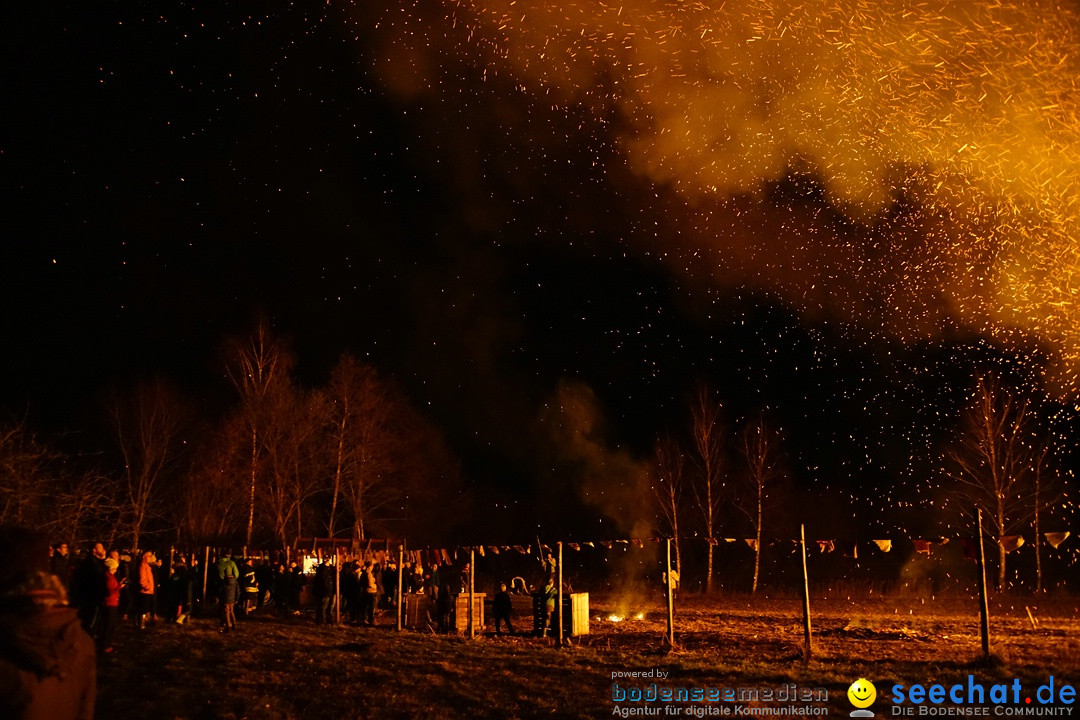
(575,616)
(579,614)
(417,606)
(461,612)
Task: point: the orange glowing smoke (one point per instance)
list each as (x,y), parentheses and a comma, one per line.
(967,109)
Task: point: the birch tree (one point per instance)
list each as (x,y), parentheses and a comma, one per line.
(669,486)
(996,460)
(289,445)
(363,417)
(762,453)
(256,366)
(708,438)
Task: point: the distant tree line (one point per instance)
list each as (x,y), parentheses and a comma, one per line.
(352,458)
(717,476)
(347,459)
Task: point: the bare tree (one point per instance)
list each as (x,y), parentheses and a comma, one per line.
(996,461)
(86,501)
(41,487)
(148,424)
(708,437)
(25,475)
(761,449)
(1049,489)
(387,464)
(363,420)
(212,504)
(289,446)
(256,365)
(349,397)
(668,487)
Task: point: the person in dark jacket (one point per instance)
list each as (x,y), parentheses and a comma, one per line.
(351,591)
(88,587)
(502,608)
(324,588)
(60,564)
(180,590)
(444,608)
(280,592)
(297,582)
(47,666)
(264,578)
(389,586)
(249,588)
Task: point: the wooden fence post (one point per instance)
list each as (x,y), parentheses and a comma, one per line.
(807,638)
(472,593)
(400,582)
(562,613)
(984,603)
(337,586)
(205,572)
(670,592)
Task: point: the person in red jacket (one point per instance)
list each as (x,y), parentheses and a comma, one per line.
(110,606)
(47,665)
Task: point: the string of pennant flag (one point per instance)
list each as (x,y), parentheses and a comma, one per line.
(388,547)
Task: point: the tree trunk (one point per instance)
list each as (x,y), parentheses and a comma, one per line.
(678,549)
(757,562)
(337,479)
(709,568)
(712,541)
(251,506)
(136,531)
(757,541)
(1038,553)
(1001,544)
(1001,564)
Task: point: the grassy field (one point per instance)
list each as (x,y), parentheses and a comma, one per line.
(271,668)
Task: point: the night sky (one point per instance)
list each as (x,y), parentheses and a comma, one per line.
(550,221)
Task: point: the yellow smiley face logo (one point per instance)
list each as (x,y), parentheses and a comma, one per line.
(862,693)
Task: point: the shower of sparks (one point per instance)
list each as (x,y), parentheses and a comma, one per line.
(967,111)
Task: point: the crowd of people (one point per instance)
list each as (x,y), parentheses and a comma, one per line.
(59,610)
(109,586)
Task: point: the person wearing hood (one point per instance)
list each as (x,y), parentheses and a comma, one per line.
(48,669)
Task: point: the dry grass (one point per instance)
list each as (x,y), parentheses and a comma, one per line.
(293,669)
